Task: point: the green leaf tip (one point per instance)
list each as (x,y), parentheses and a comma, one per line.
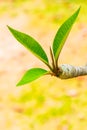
(31,44)
(32,75)
(62,34)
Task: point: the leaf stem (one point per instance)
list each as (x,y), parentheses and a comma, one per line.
(54,64)
(50,67)
(52,58)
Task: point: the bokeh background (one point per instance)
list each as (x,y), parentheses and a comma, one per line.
(47,103)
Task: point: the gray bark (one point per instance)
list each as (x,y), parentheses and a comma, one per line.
(68,71)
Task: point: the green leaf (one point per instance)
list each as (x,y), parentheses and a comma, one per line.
(32,75)
(62,34)
(31,44)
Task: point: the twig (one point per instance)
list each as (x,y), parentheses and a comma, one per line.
(68,71)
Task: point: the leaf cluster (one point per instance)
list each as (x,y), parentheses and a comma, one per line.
(32,45)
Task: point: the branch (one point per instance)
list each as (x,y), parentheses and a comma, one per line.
(68,71)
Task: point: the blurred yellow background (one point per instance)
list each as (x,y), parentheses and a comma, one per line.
(47,103)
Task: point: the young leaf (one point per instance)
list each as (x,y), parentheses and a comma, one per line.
(32,75)
(31,44)
(62,34)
